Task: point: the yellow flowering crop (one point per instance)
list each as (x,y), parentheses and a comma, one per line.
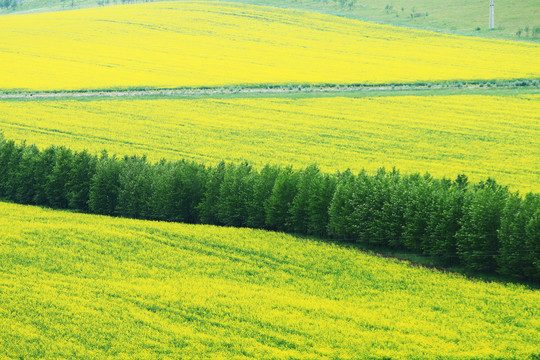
(177,44)
(81,286)
(497,136)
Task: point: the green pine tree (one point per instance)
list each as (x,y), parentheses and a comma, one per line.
(105,186)
(84,169)
(319,204)
(262,190)
(7,149)
(341,207)
(207,209)
(58,180)
(299,212)
(279,203)
(26,188)
(418,200)
(235,195)
(12,170)
(445,219)
(477,240)
(134,188)
(43,169)
(518,245)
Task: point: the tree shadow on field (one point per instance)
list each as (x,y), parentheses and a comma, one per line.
(423,261)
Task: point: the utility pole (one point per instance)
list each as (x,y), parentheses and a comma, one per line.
(492,15)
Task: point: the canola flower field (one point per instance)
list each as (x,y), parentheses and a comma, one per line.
(82,286)
(481,136)
(194,44)
(464,17)
(93,287)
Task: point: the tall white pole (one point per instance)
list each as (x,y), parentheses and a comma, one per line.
(492,15)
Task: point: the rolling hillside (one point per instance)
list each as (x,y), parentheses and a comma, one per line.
(194,44)
(75,286)
(458,17)
(479,135)
(88,287)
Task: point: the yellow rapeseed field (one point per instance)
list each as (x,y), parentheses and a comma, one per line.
(193,44)
(497,136)
(79,286)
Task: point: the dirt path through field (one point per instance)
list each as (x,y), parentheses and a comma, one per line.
(188,92)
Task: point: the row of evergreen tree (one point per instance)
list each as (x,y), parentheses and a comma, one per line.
(482,226)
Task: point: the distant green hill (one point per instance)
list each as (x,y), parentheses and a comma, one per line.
(78,286)
(464,17)
(515,20)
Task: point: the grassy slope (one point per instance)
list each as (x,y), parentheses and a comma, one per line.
(495,136)
(172,44)
(81,286)
(458,16)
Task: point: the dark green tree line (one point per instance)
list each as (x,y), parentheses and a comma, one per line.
(483,226)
